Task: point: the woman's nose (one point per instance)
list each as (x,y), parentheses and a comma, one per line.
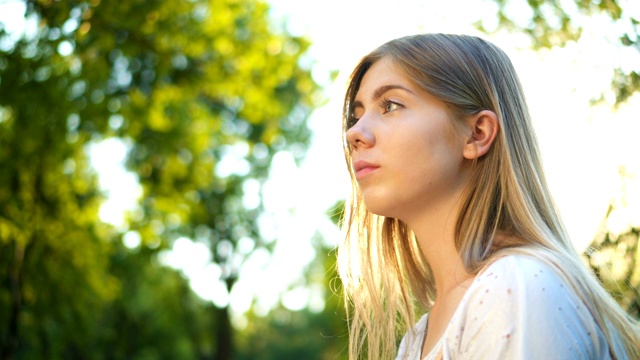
(360,135)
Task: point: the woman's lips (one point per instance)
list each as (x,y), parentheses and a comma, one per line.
(363,168)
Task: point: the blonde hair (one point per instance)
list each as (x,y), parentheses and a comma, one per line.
(386,279)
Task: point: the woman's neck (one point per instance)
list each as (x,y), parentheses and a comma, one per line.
(435,233)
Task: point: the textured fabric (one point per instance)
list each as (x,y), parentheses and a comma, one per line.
(517,308)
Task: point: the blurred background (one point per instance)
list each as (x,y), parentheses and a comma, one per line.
(171,172)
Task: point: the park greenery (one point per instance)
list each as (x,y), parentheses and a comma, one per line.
(185,85)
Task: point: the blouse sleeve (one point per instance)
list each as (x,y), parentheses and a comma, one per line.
(519,309)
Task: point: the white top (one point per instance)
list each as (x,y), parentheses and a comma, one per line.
(517,308)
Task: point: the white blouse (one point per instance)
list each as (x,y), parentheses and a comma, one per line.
(517,308)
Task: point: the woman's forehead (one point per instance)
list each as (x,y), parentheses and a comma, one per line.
(383,73)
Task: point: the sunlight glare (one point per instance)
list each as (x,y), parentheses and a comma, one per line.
(121,186)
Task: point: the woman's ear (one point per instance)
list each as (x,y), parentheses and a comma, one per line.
(484,128)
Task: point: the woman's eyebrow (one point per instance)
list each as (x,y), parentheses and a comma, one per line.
(383,89)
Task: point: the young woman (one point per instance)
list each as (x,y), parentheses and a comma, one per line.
(450,213)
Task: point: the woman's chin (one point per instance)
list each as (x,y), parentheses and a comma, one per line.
(381,208)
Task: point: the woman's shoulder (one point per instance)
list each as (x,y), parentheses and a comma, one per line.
(518,303)
(519,270)
(526,287)
(514,263)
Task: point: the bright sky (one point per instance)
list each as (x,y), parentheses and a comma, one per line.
(583,147)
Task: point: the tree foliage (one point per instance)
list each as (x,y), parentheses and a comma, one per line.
(552,23)
(314,332)
(614,254)
(193,88)
(155,316)
(307,333)
(615,259)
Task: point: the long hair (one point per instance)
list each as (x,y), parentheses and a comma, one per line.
(386,278)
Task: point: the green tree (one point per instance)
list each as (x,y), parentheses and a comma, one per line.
(191,87)
(553,23)
(155,314)
(614,259)
(51,246)
(314,332)
(307,333)
(614,254)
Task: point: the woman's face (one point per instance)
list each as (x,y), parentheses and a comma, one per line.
(406,155)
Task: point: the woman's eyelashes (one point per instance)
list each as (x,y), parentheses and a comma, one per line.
(388,106)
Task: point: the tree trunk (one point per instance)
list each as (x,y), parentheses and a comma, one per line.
(224,330)
(224,335)
(13,337)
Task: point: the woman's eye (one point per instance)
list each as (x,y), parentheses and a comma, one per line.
(390,106)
